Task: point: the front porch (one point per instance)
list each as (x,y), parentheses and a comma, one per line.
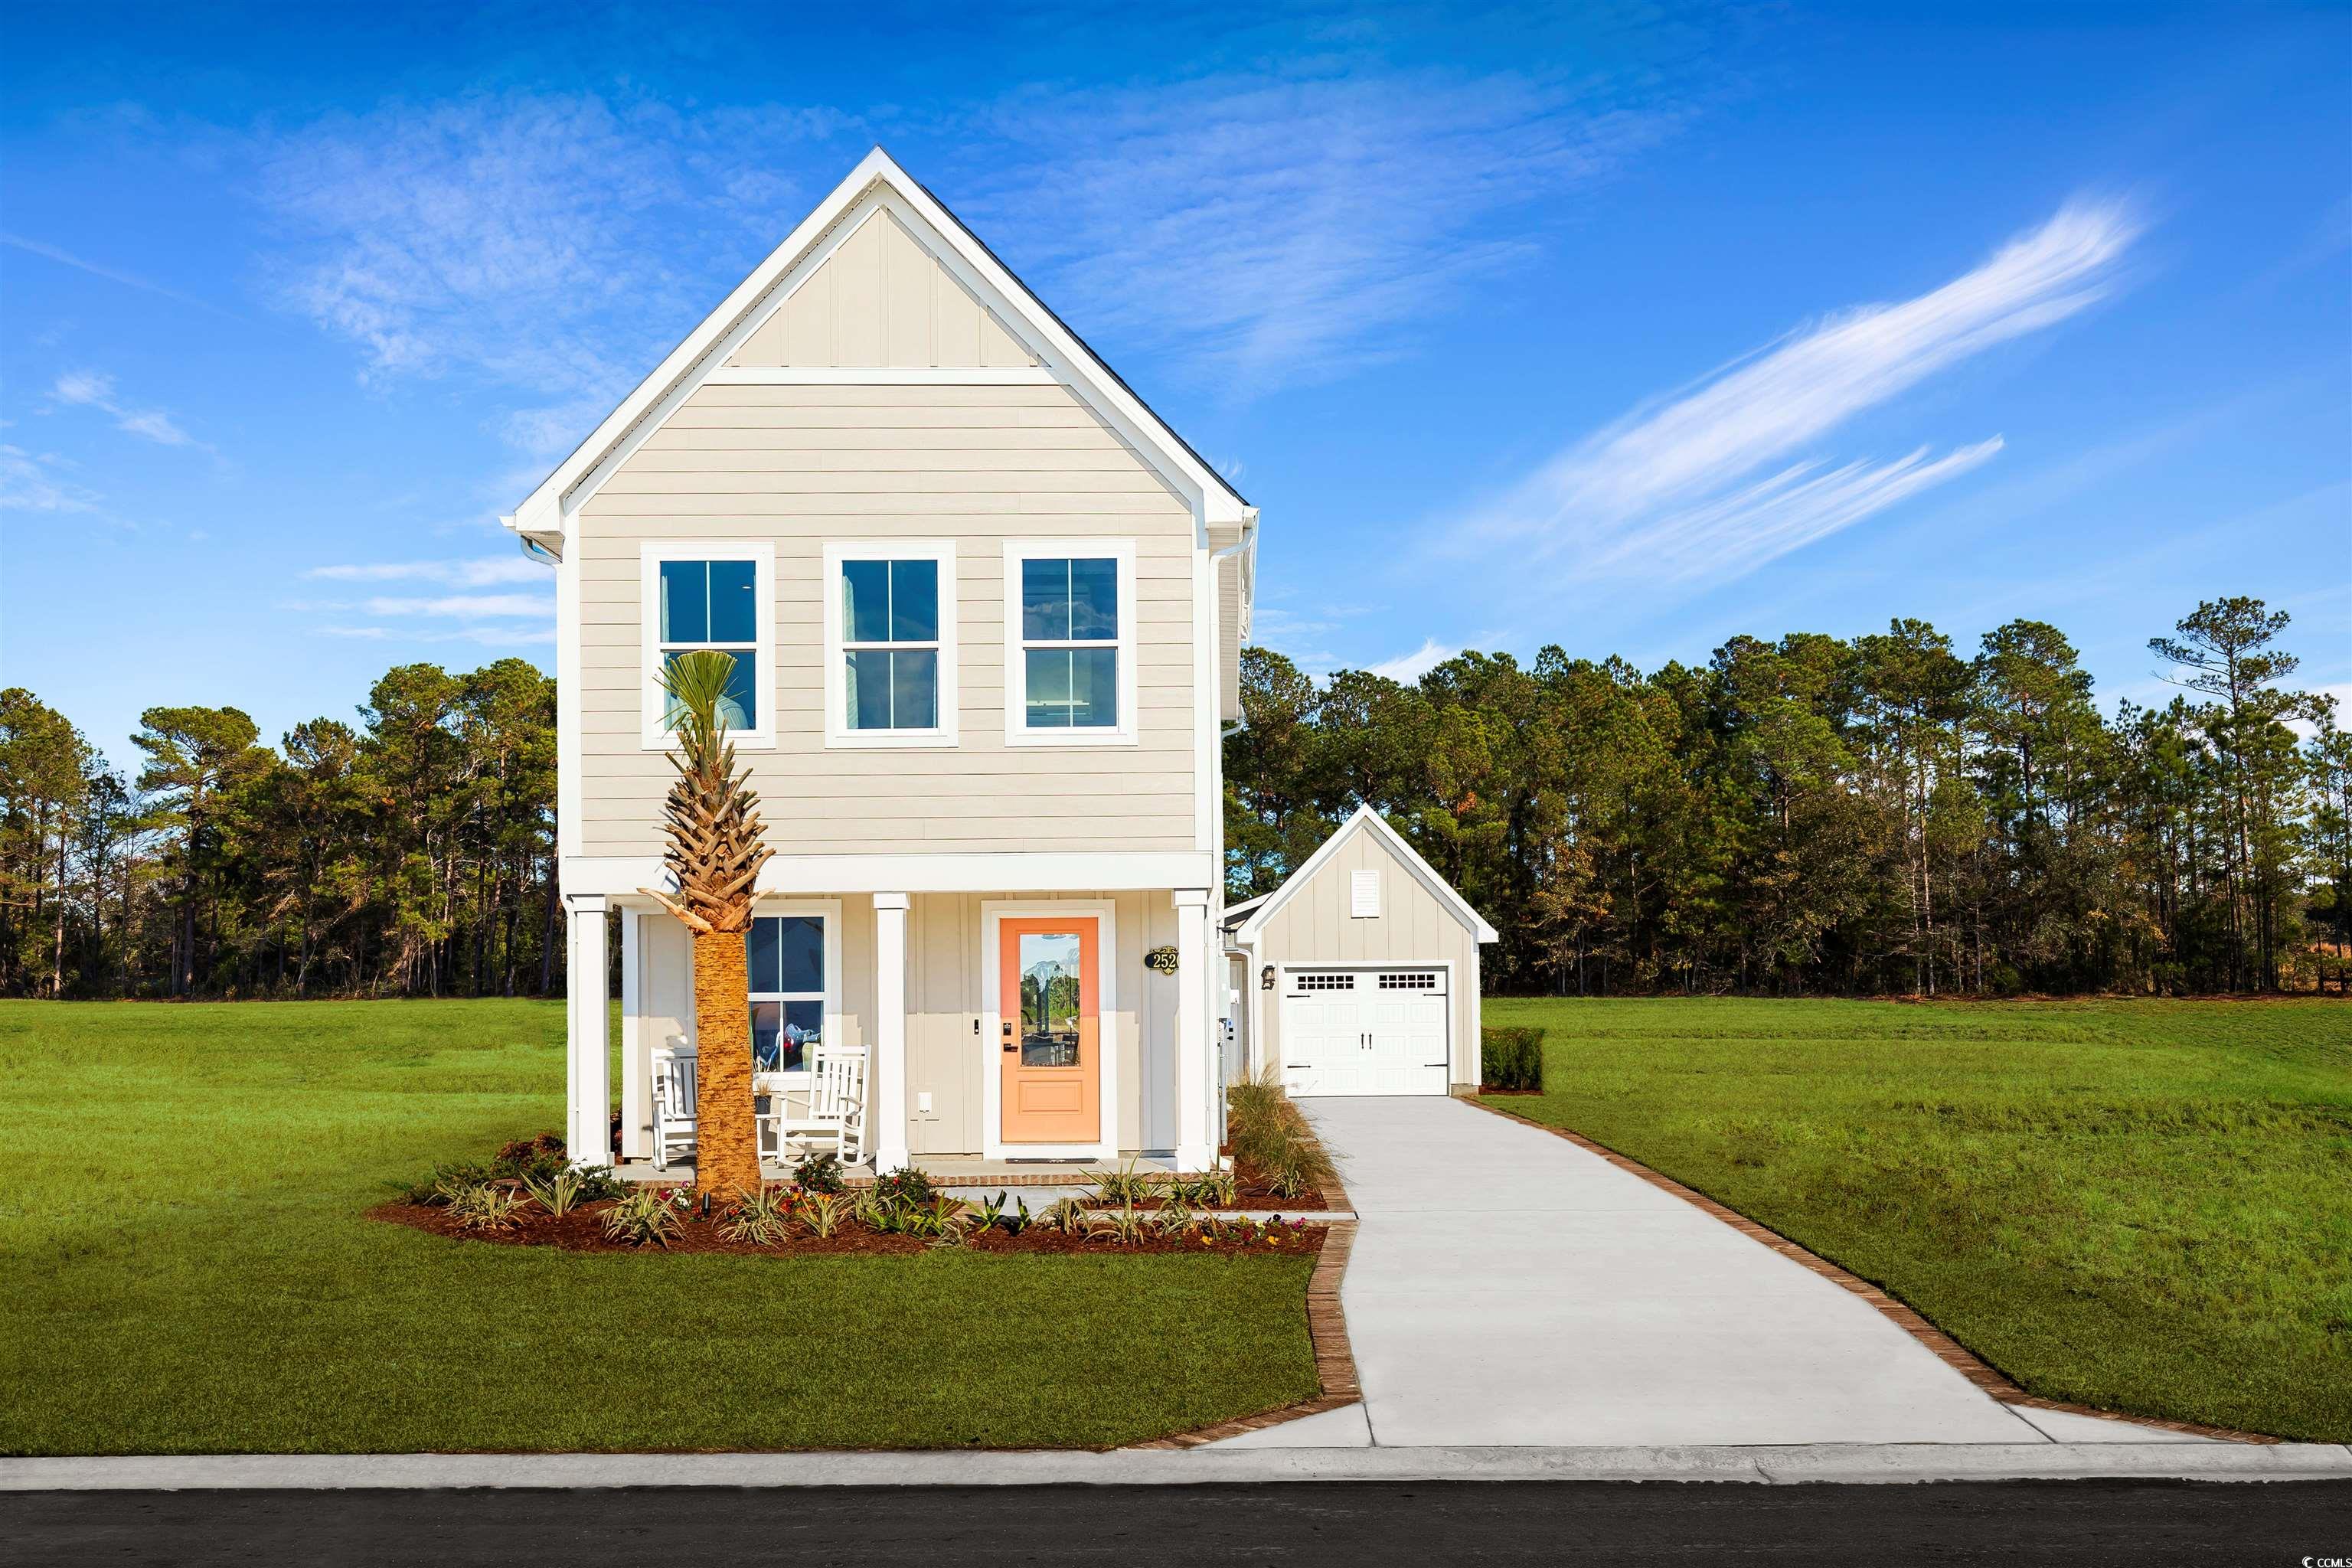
(1005,1038)
(945,1171)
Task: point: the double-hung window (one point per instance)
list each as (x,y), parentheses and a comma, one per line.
(715,597)
(1069,646)
(792,969)
(890,620)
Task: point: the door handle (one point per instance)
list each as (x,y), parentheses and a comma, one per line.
(1008,1033)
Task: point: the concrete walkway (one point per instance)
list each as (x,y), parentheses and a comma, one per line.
(1509,1289)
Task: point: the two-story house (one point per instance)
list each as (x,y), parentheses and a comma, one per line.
(988,610)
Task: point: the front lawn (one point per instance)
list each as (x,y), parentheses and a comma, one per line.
(188,1270)
(2144,1206)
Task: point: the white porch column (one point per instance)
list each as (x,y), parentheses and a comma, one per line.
(886,1116)
(587,1076)
(636,1140)
(1194,1019)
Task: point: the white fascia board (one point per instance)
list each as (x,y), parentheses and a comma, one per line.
(1368,820)
(544,511)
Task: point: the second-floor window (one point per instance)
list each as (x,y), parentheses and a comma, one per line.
(1069,643)
(715,597)
(890,644)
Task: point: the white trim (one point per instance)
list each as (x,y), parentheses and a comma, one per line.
(886,1086)
(1474,1049)
(836,1016)
(1207,740)
(1454,1043)
(570,752)
(762,554)
(1104,912)
(837,733)
(1104,871)
(587,1008)
(1127,732)
(880,375)
(1366,818)
(557,498)
(1197,982)
(636,1138)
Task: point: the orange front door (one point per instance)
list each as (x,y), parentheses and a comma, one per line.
(1050,1030)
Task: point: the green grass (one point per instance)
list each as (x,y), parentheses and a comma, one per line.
(188,1270)
(2144,1206)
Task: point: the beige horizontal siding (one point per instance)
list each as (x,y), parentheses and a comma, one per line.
(804,466)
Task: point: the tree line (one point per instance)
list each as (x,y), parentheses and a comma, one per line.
(410,855)
(1883,815)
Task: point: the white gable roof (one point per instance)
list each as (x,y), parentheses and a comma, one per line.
(1367,820)
(545,514)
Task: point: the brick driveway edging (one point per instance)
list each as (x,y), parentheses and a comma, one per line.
(1326,1330)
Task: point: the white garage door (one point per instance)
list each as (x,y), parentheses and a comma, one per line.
(1365,1031)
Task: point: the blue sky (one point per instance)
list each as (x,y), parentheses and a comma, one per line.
(1627,330)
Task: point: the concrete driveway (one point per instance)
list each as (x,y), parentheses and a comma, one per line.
(1508,1287)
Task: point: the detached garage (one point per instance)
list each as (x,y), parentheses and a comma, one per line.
(1360,975)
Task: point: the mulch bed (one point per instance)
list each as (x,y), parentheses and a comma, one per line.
(583,1230)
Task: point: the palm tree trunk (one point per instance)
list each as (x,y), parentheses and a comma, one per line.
(725,1142)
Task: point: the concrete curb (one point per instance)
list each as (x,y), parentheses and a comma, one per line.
(1828,1462)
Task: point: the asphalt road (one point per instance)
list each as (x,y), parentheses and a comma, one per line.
(1355,1524)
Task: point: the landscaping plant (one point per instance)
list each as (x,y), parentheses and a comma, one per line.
(1125,1185)
(909,1185)
(1123,1226)
(822,1212)
(486,1206)
(761,1218)
(1510,1058)
(643,1217)
(714,854)
(819,1171)
(1067,1215)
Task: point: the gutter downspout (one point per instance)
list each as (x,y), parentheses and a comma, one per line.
(1248,540)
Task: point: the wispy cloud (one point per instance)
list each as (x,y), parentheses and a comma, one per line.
(465,574)
(1673,491)
(36,481)
(465,605)
(546,242)
(112,274)
(88,389)
(488,637)
(1271,229)
(1411,666)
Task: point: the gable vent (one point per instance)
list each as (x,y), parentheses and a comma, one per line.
(1364,895)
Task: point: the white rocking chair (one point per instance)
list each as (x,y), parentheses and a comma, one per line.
(836,1107)
(673,1104)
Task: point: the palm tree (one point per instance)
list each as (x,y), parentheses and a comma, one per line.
(714,856)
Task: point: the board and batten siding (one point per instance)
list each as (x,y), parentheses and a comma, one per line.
(1314,926)
(882,299)
(803,466)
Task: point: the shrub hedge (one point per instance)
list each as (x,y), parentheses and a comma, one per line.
(1511,1058)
